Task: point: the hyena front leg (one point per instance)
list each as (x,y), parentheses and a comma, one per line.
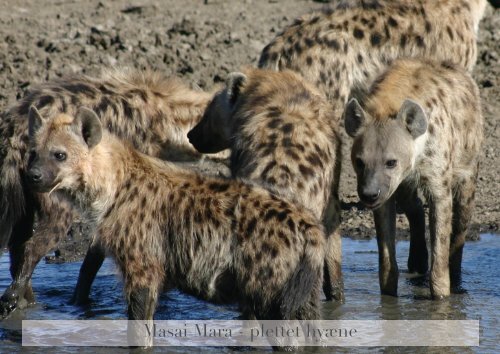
(333,284)
(385,224)
(463,205)
(410,203)
(440,219)
(141,307)
(19,294)
(27,247)
(90,266)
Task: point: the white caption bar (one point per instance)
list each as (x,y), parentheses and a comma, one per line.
(109,333)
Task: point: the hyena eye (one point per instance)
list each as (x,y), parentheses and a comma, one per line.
(360,164)
(60,156)
(391,163)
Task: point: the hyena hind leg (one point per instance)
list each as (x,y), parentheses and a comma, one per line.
(463,205)
(90,266)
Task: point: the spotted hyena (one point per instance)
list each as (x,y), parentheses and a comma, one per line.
(152,112)
(342,51)
(421,125)
(220,239)
(279,130)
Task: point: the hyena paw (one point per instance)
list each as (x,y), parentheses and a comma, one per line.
(11,300)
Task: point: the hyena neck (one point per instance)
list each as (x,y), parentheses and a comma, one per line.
(104,175)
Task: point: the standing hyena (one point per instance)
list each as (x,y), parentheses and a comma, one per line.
(151,111)
(344,49)
(279,130)
(165,226)
(422,126)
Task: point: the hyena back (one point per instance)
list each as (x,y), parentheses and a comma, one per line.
(421,125)
(279,130)
(149,110)
(168,226)
(344,49)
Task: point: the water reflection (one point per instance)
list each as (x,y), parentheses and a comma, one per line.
(54,283)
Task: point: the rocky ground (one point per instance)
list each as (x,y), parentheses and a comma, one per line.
(201,41)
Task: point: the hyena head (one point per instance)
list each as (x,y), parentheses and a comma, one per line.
(213,133)
(384,150)
(59,148)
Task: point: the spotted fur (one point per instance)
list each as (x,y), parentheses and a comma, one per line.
(152,112)
(279,130)
(421,126)
(219,239)
(344,49)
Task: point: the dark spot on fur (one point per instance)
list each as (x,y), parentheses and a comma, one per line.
(314,160)
(309,42)
(314,20)
(251,226)
(218,187)
(44,101)
(271,213)
(306,171)
(293,155)
(273,124)
(375,39)
(428,26)
(334,44)
(358,33)
(323,77)
(360,59)
(403,41)
(287,128)
(392,22)
(268,168)
(80,88)
(309,60)
(420,41)
(298,48)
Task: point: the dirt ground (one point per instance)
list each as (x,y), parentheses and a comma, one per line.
(202,41)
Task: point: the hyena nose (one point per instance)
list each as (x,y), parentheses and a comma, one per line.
(35,176)
(190,136)
(370,196)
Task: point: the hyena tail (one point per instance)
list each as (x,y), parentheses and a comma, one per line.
(12,198)
(13,147)
(305,282)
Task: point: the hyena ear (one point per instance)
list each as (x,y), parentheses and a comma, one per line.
(35,121)
(234,82)
(88,125)
(414,118)
(354,117)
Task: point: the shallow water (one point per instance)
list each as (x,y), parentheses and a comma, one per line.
(54,284)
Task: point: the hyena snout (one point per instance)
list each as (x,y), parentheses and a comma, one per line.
(369,195)
(198,138)
(40,179)
(372,192)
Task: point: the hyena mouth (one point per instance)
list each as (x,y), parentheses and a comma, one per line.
(45,187)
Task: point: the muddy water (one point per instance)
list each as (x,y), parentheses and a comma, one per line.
(53,284)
